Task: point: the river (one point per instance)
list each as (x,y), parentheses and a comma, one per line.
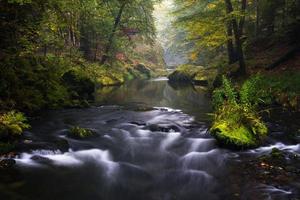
(152,144)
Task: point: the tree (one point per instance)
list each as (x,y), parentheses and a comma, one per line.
(136,15)
(211,25)
(117,22)
(238,31)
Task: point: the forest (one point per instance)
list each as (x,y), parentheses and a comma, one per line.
(149,99)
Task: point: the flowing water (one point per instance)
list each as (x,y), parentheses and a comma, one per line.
(152,144)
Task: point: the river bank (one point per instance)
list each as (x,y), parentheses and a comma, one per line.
(239,101)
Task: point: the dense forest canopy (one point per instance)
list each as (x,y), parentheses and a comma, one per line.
(214,27)
(41,38)
(95,27)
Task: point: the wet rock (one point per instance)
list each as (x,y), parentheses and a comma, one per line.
(41,159)
(276,153)
(200,82)
(178,76)
(7,163)
(197,75)
(163,128)
(62,144)
(52,144)
(138,123)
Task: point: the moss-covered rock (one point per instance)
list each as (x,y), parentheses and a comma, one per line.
(196,75)
(205,77)
(238,128)
(110,76)
(109,80)
(81,133)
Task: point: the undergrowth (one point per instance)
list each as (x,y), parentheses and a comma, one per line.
(237,122)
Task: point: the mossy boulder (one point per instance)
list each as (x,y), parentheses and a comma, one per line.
(110,80)
(236,135)
(197,75)
(206,76)
(133,73)
(236,127)
(111,76)
(81,133)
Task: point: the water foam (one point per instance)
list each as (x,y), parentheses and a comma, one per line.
(69,159)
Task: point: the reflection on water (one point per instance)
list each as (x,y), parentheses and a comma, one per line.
(157,93)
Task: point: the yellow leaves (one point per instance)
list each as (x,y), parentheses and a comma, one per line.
(194,56)
(53,27)
(211,6)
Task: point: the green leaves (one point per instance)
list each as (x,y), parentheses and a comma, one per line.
(12,124)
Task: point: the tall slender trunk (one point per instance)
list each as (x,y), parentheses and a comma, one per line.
(96,51)
(45,50)
(230,47)
(112,35)
(242,21)
(257,30)
(237,36)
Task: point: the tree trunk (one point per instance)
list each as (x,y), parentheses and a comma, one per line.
(237,36)
(112,35)
(230,47)
(242,21)
(257,30)
(96,51)
(45,50)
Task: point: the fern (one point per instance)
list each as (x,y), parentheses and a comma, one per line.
(13,124)
(229,91)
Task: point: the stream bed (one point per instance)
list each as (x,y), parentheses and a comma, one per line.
(152,144)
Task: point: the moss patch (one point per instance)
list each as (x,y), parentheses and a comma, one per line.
(237,127)
(197,75)
(81,133)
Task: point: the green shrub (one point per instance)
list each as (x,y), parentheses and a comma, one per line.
(12,124)
(254,92)
(282,89)
(33,83)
